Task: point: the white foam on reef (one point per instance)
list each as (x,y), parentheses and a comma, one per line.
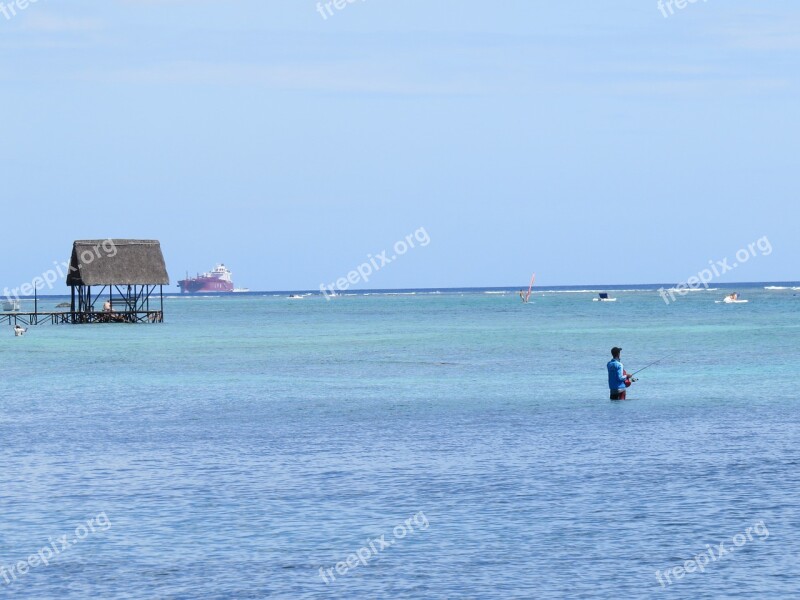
(540,291)
(385,294)
(573,291)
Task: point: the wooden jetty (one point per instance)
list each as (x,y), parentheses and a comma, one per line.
(69,318)
(126,278)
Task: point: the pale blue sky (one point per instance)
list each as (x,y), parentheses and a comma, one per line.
(591,142)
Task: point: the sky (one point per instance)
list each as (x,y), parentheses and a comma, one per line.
(590,142)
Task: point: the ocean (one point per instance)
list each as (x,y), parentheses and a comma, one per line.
(414,444)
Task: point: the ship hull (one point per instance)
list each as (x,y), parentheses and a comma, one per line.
(203,285)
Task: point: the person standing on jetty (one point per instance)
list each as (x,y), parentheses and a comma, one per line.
(618,379)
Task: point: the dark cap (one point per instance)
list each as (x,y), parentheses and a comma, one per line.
(615,351)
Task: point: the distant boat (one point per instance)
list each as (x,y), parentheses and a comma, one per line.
(11,305)
(241,290)
(218,280)
(295,297)
(603,297)
(732,299)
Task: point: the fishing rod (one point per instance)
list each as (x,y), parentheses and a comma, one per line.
(654,363)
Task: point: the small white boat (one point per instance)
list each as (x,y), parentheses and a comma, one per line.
(732,299)
(296,297)
(11,305)
(603,297)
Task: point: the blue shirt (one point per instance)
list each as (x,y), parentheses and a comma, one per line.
(616,380)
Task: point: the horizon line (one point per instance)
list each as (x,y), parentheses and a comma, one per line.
(648,286)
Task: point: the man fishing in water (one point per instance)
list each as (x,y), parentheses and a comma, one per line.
(618,379)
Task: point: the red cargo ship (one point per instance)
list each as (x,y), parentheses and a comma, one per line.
(218,280)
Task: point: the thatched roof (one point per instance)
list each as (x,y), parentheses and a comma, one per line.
(117,262)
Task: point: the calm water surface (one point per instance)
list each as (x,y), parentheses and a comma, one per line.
(252,440)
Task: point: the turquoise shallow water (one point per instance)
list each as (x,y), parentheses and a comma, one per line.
(251,440)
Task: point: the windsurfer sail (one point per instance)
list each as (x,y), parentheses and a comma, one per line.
(530,287)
